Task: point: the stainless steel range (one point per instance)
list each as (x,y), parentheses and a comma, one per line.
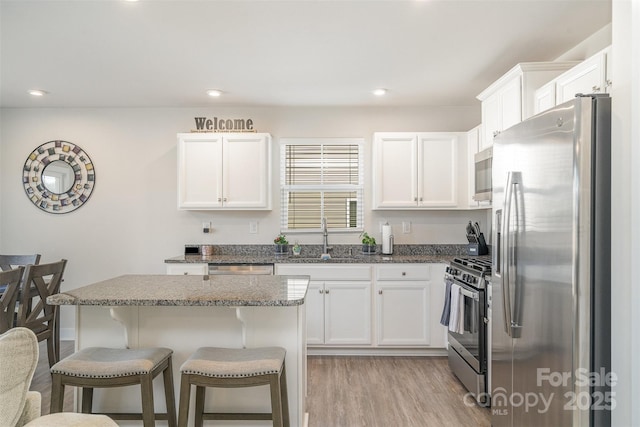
(467,308)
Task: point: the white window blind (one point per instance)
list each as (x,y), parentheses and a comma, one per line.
(321,178)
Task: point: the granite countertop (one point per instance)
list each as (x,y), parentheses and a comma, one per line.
(340,254)
(189,290)
(302,259)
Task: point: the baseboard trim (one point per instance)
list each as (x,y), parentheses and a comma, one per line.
(340,351)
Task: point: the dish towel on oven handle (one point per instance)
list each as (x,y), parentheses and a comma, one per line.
(446,309)
(456,316)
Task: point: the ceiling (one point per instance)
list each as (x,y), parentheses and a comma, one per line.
(167,53)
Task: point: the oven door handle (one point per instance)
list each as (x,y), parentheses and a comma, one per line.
(469,294)
(475,295)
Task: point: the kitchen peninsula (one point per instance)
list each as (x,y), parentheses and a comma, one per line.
(187,312)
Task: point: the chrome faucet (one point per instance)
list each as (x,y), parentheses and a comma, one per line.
(325,235)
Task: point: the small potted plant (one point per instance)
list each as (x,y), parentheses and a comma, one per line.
(282,245)
(368,244)
(296,248)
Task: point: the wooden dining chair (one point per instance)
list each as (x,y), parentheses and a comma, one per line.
(10,284)
(9,262)
(34,312)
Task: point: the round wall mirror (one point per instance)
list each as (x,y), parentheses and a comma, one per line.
(58,177)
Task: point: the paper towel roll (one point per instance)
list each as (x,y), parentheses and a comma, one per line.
(387,240)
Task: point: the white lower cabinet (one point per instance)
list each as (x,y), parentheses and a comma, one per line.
(398,304)
(347,313)
(439,333)
(187,268)
(338,303)
(402,313)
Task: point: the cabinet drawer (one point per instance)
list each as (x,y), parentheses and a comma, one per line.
(403,272)
(187,268)
(332,272)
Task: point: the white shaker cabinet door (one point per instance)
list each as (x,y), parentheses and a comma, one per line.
(200,171)
(588,77)
(438,170)
(246,175)
(314,301)
(347,308)
(403,313)
(395,170)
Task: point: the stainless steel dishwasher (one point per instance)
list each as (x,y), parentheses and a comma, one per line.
(252,269)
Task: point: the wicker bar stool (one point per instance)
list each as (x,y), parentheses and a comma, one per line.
(226,367)
(98,367)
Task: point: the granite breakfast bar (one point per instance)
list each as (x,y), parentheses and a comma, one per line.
(187,312)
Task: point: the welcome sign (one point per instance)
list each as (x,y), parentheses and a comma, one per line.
(214,124)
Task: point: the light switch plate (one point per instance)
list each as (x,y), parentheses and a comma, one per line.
(406,227)
(253,227)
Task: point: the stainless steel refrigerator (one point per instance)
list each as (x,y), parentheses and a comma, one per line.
(550,302)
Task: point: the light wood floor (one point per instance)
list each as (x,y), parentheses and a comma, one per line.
(349,391)
(387,391)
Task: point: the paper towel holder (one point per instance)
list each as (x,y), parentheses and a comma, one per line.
(387,241)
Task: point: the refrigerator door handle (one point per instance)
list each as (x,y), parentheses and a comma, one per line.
(507,255)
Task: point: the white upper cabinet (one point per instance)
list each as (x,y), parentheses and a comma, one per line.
(545,97)
(511,98)
(224,171)
(592,75)
(413,170)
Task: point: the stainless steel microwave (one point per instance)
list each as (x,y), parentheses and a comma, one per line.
(482,171)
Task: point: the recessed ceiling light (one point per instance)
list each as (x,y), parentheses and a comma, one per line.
(37,92)
(214,93)
(379,92)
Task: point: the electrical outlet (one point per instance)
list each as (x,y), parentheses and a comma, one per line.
(406,227)
(206,227)
(253,227)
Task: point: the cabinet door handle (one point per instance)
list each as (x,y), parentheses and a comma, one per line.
(219,199)
(404,273)
(415,199)
(185,273)
(496,133)
(596,88)
(327,291)
(380,292)
(321,291)
(608,82)
(225,199)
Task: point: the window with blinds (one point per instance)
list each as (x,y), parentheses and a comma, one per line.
(321,178)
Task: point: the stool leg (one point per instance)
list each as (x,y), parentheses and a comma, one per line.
(169,394)
(200,392)
(87,400)
(57,394)
(284,397)
(276,403)
(185,395)
(148,411)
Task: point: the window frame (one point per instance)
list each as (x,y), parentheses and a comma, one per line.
(358,188)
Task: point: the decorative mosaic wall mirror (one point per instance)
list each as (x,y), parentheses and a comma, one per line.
(58,177)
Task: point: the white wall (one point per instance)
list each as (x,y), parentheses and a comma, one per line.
(625,209)
(131,222)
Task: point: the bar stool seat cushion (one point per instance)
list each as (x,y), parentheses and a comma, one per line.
(234,363)
(71,419)
(100,362)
